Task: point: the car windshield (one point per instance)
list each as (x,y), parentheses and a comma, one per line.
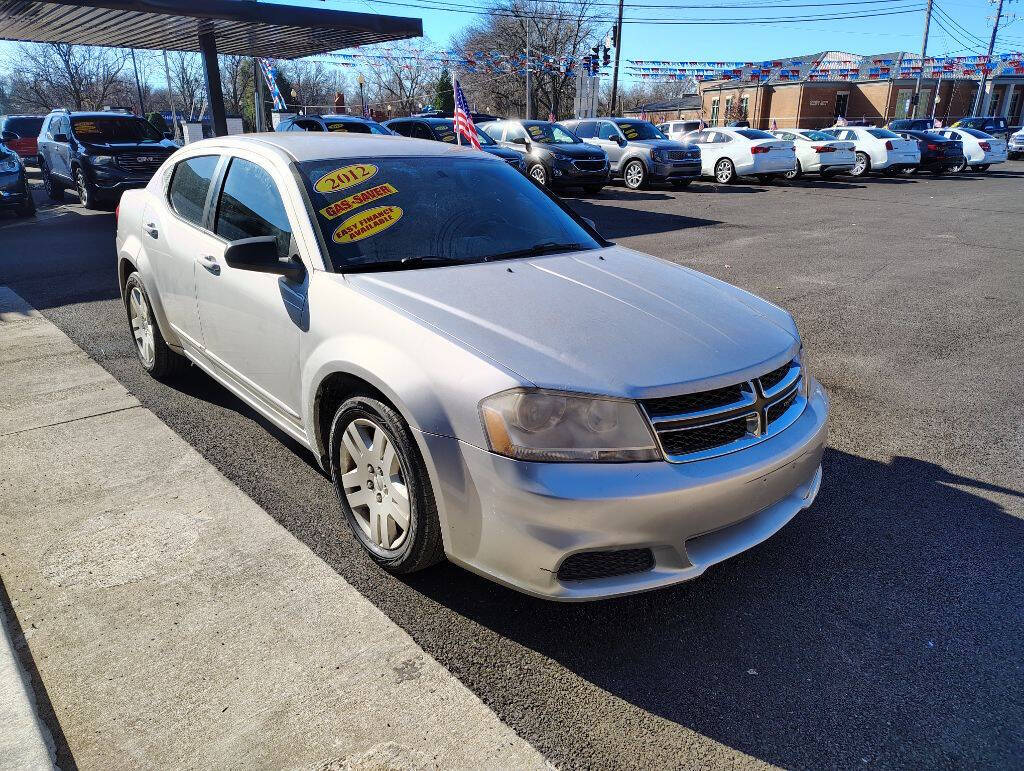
(639,130)
(395,213)
(104,130)
(977,134)
(969,122)
(550,134)
(446,133)
(816,136)
(883,134)
(356,127)
(755,134)
(23,127)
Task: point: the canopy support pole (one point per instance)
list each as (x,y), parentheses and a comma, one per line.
(214,92)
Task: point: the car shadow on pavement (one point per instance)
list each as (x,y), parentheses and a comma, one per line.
(619,222)
(879,625)
(824,184)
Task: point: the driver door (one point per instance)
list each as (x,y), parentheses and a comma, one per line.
(250,321)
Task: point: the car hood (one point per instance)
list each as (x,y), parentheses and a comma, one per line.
(661,144)
(580,151)
(501,152)
(610,321)
(163,147)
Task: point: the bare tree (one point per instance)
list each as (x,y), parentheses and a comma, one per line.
(187,81)
(559,32)
(313,83)
(400,80)
(50,75)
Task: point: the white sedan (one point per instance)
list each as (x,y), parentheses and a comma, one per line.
(727,153)
(981,150)
(818,152)
(878,149)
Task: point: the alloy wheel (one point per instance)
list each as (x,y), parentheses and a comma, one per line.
(142,326)
(860,166)
(83,189)
(724,171)
(634,175)
(374,483)
(538,174)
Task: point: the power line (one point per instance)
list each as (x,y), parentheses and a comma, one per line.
(970,35)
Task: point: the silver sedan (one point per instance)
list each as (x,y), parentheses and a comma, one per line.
(484,377)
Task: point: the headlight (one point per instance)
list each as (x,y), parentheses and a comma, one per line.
(8,165)
(529,424)
(101,160)
(560,156)
(659,155)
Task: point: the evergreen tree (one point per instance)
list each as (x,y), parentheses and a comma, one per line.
(444,97)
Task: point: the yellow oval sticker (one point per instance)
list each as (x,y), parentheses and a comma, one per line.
(366,224)
(354,201)
(346,176)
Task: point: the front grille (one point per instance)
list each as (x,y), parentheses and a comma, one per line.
(705,400)
(686,441)
(683,155)
(589,165)
(604,564)
(709,423)
(144,165)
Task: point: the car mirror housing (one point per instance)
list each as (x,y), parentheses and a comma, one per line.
(621,141)
(259,255)
(521,141)
(60,137)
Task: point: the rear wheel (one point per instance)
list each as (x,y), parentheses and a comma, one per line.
(635,175)
(725,172)
(796,172)
(383,487)
(538,174)
(960,167)
(154,354)
(908,171)
(52,187)
(861,166)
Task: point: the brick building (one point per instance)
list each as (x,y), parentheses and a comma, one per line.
(817,103)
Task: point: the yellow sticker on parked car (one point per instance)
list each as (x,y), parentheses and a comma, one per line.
(367,223)
(346,176)
(354,201)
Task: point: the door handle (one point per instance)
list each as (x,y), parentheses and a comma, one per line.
(151,230)
(209,262)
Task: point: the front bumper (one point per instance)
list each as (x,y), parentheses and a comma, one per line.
(568,173)
(669,170)
(112,179)
(944,162)
(13,192)
(516,522)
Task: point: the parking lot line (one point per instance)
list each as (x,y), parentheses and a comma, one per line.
(172,621)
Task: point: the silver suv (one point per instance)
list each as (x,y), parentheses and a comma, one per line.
(484,377)
(639,152)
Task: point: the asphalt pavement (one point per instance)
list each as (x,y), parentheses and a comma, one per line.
(880,628)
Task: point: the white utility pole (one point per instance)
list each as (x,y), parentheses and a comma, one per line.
(924,50)
(991,47)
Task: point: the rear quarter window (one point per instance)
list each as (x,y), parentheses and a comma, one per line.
(190,183)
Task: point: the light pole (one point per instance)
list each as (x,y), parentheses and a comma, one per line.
(362,104)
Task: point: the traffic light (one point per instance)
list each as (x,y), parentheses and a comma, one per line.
(614,35)
(607,58)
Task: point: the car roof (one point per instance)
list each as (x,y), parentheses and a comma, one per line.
(97,114)
(315,146)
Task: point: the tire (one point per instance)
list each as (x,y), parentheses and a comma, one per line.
(86,190)
(960,168)
(679,184)
(538,174)
(370,494)
(725,172)
(154,354)
(53,188)
(908,171)
(796,173)
(634,175)
(861,166)
(593,189)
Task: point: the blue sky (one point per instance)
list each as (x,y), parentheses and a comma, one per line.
(753,42)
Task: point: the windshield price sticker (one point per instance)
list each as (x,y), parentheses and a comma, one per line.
(366,224)
(535,131)
(354,201)
(345,177)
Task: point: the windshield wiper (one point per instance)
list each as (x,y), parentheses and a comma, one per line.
(548,247)
(406,263)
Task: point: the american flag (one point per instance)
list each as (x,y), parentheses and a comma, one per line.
(366,111)
(270,76)
(463,121)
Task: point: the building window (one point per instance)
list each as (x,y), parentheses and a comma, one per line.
(842,104)
(745,106)
(997,97)
(1013,116)
(903,97)
(714,111)
(728,108)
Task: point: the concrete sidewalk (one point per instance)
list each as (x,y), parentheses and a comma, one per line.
(172,622)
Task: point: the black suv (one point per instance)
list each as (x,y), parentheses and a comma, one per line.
(911,124)
(994,125)
(443,130)
(100,154)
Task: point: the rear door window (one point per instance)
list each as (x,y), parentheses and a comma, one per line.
(251,206)
(189,185)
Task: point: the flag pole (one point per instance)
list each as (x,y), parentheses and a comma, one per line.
(458,134)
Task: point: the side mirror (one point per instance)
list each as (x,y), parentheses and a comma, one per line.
(60,137)
(9,136)
(259,255)
(521,141)
(621,141)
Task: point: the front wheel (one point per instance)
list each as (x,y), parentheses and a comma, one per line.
(383,487)
(154,354)
(538,174)
(861,165)
(86,190)
(635,175)
(725,172)
(960,167)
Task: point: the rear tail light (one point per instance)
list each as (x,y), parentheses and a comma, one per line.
(758,149)
(985,146)
(932,147)
(117,212)
(824,149)
(888,144)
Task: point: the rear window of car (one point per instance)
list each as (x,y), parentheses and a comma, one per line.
(372,210)
(356,127)
(755,134)
(446,133)
(816,136)
(189,185)
(977,134)
(23,127)
(883,134)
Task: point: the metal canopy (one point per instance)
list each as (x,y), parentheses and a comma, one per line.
(240,27)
